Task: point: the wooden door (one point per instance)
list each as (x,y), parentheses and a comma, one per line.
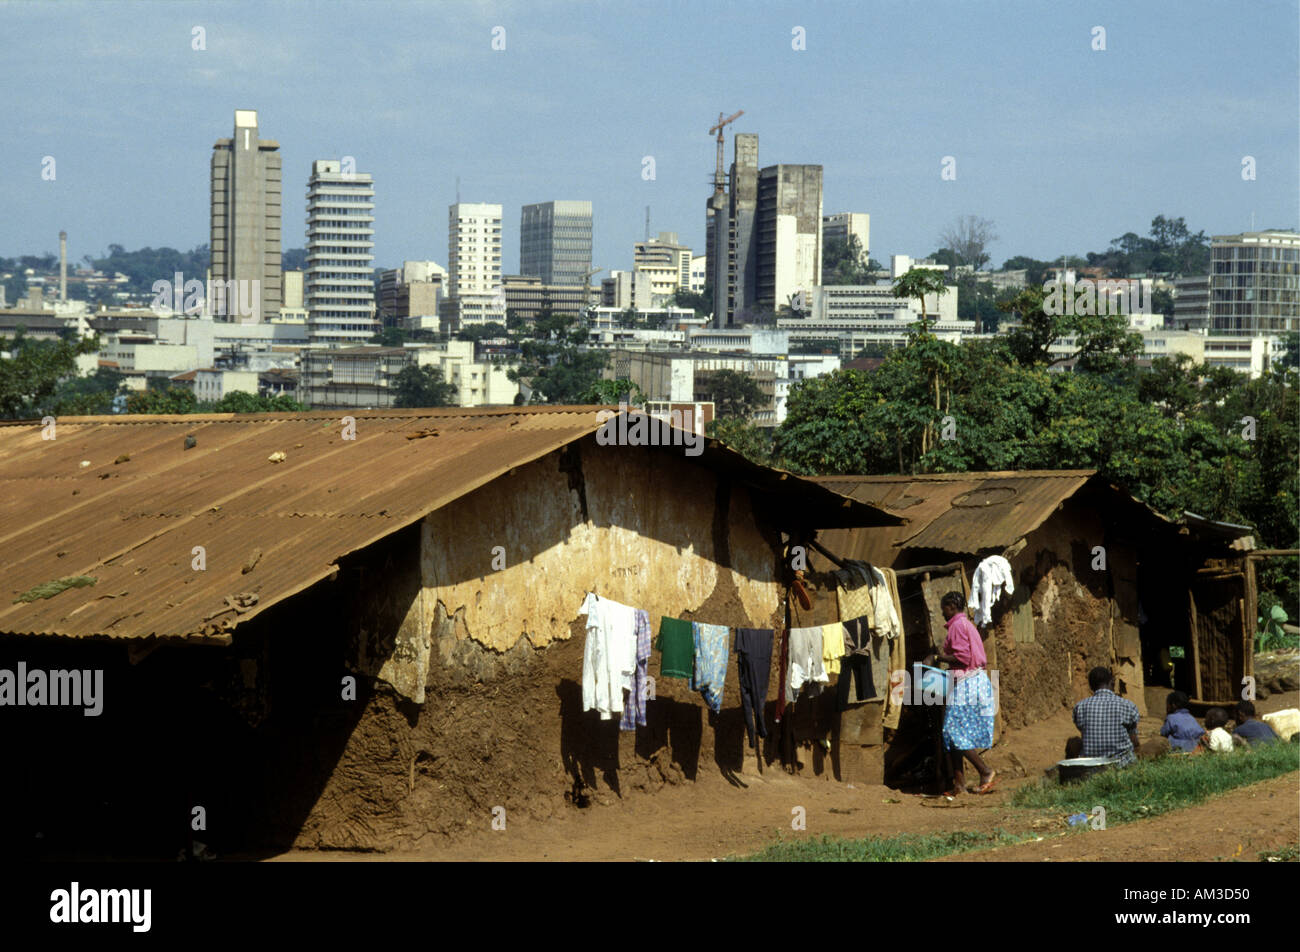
(1217,606)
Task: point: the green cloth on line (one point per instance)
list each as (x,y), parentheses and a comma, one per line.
(676,642)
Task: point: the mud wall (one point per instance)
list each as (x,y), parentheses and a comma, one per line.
(1070,605)
(473,699)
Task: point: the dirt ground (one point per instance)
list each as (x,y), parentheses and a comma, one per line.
(712,817)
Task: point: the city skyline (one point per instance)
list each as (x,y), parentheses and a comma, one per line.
(1098,144)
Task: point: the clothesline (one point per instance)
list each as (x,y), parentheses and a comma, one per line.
(618,648)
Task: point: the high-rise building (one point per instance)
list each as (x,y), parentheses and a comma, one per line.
(476,294)
(840,226)
(666,263)
(789,226)
(1255,283)
(729,226)
(1192,302)
(338,288)
(245,224)
(473,249)
(765,235)
(555,242)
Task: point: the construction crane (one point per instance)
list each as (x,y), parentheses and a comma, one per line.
(718,180)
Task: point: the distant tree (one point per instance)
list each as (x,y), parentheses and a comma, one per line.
(163,400)
(477,332)
(239,401)
(749,440)
(701,302)
(30,375)
(1035,270)
(949,257)
(613,392)
(515,322)
(969,238)
(294,259)
(1102,342)
(91,395)
(845,262)
(734,394)
(917,283)
(423,387)
(553,363)
(391,336)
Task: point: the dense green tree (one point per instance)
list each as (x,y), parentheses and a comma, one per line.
(613,392)
(700,302)
(1102,343)
(749,440)
(553,364)
(30,374)
(422,387)
(89,395)
(477,332)
(163,400)
(734,394)
(239,401)
(845,262)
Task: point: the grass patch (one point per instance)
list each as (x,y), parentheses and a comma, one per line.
(1152,787)
(1148,788)
(904,848)
(1287,854)
(52,588)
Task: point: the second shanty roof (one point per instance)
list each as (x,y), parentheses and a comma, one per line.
(963,513)
(124,501)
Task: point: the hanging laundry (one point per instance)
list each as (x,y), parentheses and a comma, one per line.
(855,684)
(676,643)
(992,577)
(634,708)
(783,666)
(863,589)
(754,666)
(712,645)
(832,647)
(608,656)
(805,662)
(853,590)
(857,636)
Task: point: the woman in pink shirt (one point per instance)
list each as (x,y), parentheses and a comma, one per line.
(970,706)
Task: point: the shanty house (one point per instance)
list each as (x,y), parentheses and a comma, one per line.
(360,632)
(1100,579)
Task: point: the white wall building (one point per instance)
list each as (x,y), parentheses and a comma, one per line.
(474,285)
(338,290)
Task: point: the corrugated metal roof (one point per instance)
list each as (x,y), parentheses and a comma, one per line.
(956,512)
(132,515)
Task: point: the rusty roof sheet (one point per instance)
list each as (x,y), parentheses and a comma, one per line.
(956,512)
(120,499)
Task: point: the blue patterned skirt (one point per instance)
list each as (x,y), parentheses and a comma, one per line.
(968,714)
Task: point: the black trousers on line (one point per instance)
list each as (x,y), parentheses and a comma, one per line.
(854,667)
(754,659)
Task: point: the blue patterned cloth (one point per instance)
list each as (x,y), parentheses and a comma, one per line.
(712,645)
(968,714)
(634,707)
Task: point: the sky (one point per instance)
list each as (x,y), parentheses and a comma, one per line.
(1062,146)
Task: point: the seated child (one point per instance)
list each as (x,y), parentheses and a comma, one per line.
(1216,738)
(1180,727)
(1251,730)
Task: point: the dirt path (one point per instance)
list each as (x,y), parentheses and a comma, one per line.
(712,819)
(1238,825)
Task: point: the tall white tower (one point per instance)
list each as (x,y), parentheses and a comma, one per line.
(338,287)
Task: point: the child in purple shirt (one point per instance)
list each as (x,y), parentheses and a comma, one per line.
(1180,727)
